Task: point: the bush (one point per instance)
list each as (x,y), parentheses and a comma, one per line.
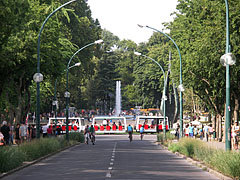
(227,163)
(75,136)
(13,156)
(39,148)
(169,138)
(10,158)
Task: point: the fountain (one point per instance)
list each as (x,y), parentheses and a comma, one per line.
(118,98)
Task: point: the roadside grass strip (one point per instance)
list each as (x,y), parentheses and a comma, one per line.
(12,157)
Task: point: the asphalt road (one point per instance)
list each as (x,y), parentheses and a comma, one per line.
(113,157)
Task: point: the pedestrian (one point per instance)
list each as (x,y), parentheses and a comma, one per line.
(17,135)
(210,130)
(44,130)
(206,132)
(235,132)
(5,131)
(58,130)
(29,137)
(23,133)
(141,132)
(177,131)
(191,128)
(49,131)
(1,139)
(195,131)
(186,131)
(33,132)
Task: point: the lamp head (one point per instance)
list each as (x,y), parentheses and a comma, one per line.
(38,77)
(141,26)
(78,64)
(181,88)
(98,41)
(137,53)
(228,59)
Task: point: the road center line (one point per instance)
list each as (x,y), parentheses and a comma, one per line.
(108,174)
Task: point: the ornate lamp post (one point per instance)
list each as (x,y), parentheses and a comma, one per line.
(227,60)
(67,94)
(55,102)
(38,77)
(164,97)
(180,87)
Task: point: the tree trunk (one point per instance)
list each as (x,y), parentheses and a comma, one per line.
(217,126)
(220,127)
(236,111)
(214,124)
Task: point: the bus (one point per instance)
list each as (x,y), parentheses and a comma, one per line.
(75,124)
(151,123)
(109,124)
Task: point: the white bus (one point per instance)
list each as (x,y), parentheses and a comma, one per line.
(75,124)
(150,123)
(109,124)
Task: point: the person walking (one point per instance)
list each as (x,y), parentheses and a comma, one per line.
(235,132)
(44,130)
(23,132)
(206,132)
(191,128)
(17,134)
(5,131)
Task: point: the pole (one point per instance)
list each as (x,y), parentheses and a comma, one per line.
(163,96)
(180,58)
(38,68)
(67,94)
(228,113)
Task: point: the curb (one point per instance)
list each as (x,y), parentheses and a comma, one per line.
(198,164)
(26,163)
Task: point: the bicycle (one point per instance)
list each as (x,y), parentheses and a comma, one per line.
(130,136)
(93,139)
(141,136)
(86,138)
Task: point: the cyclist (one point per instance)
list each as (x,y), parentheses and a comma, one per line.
(141,132)
(86,134)
(92,134)
(130,132)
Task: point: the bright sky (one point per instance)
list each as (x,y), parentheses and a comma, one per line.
(122,16)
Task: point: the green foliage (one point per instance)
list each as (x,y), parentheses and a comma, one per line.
(199,31)
(13,156)
(225,162)
(40,148)
(75,136)
(167,140)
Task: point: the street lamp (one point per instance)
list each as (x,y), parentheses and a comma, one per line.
(55,102)
(164,97)
(180,88)
(38,68)
(227,60)
(67,94)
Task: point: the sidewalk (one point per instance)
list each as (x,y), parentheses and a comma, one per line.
(215,144)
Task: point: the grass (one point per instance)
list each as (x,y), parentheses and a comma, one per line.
(167,140)
(13,156)
(226,162)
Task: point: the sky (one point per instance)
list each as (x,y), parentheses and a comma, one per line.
(122,16)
